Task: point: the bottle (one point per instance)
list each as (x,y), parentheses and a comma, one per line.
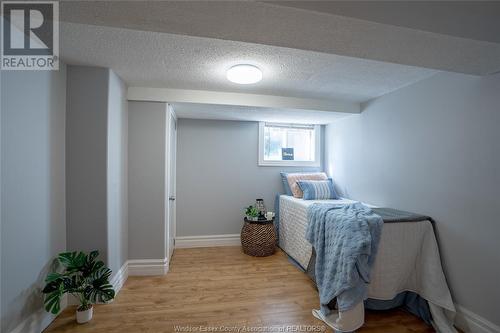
(259,204)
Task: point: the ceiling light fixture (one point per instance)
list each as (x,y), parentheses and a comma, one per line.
(244,74)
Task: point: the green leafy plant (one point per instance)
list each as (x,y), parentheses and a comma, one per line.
(83,276)
(251,211)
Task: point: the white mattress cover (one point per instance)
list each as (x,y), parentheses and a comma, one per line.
(407,259)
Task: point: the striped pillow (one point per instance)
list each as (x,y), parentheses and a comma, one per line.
(318,189)
(293,178)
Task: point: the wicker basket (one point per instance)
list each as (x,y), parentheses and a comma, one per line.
(258,239)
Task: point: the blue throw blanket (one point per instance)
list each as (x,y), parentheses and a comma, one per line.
(345,238)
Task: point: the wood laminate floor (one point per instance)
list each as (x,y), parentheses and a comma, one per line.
(222,290)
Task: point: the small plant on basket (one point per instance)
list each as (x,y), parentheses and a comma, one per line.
(252,213)
(82,276)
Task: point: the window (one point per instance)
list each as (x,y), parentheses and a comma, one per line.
(289,144)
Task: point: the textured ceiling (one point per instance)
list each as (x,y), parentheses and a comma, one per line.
(479,20)
(152,59)
(368,36)
(336,51)
(242,113)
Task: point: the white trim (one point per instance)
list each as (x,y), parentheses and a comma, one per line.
(317,151)
(207,241)
(145,267)
(172,111)
(38,320)
(170,164)
(35,323)
(470,322)
(166,181)
(118,280)
(240,99)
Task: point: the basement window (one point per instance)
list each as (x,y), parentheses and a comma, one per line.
(289,144)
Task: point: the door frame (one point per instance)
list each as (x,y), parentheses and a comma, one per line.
(170,114)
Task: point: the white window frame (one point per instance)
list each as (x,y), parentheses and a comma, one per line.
(317,149)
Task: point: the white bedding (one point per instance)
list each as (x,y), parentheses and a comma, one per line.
(407,259)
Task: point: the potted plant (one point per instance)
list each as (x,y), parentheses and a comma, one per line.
(252,213)
(81,276)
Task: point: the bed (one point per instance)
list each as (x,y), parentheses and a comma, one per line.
(407,260)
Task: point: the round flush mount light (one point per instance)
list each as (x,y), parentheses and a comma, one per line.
(244,74)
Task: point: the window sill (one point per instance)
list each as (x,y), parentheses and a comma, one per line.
(290,163)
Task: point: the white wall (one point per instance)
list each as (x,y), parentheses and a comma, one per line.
(146,179)
(117,180)
(96,151)
(34,159)
(86,159)
(434,148)
(218,176)
(33,189)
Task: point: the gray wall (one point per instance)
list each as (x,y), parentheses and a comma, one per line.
(117,173)
(86,159)
(433,148)
(32,184)
(146,178)
(96,163)
(218,175)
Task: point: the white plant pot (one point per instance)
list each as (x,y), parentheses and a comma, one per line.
(84,316)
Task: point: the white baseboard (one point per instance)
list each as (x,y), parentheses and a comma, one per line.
(207,241)
(118,280)
(470,322)
(143,267)
(38,321)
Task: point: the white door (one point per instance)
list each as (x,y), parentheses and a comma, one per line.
(171,181)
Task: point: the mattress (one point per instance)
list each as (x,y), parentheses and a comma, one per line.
(407,259)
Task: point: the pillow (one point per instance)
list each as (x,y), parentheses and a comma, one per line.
(318,189)
(286,186)
(293,178)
